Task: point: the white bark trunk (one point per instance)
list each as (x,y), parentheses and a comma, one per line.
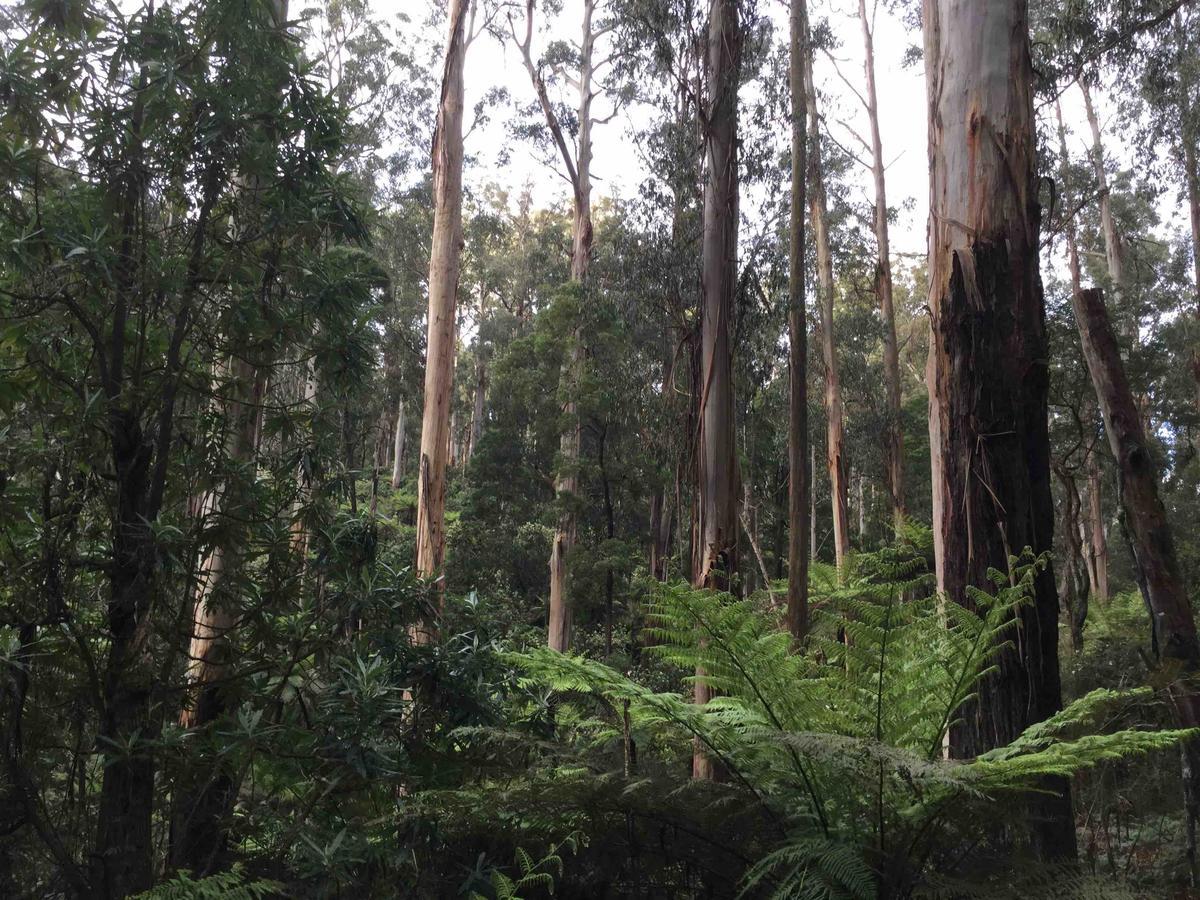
(893,443)
(444,263)
(578,166)
(834,409)
(398,445)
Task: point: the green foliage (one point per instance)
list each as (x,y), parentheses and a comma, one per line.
(532,876)
(841,746)
(231,885)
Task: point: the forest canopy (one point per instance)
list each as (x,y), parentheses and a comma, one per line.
(599,448)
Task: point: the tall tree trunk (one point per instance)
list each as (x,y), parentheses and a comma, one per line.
(610,531)
(579,172)
(213,621)
(1096,557)
(124,841)
(300,534)
(399,445)
(987,370)
(1145,521)
(1073,580)
(1114,254)
(1097,535)
(660,506)
(200,804)
(715,543)
(812,504)
(893,438)
(1189,134)
(444,262)
(1193,187)
(1149,532)
(835,449)
(478,408)
(799,481)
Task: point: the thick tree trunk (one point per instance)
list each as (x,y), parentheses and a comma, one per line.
(835,449)
(715,543)
(444,263)
(1149,533)
(893,437)
(799,488)
(987,371)
(124,841)
(398,446)
(1145,516)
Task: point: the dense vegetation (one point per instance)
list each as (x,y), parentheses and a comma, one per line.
(373,524)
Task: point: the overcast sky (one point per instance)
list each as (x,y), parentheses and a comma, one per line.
(619,170)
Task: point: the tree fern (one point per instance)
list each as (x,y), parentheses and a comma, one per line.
(231,885)
(843,744)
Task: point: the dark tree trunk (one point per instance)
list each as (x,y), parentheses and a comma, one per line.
(124,844)
(799,523)
(987,372)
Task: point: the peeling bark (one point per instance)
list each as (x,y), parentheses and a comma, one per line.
(987,371)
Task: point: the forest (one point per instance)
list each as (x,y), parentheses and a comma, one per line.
(510,449)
